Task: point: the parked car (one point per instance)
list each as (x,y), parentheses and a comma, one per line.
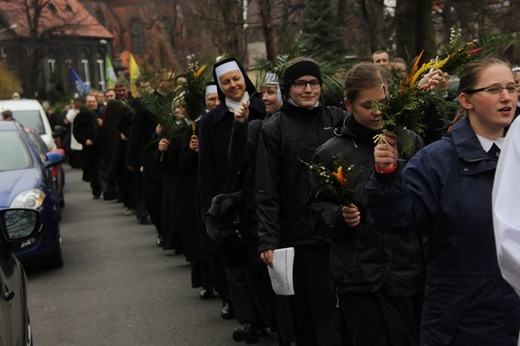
(26,182)
(16,225)
(30,113)
(57,171)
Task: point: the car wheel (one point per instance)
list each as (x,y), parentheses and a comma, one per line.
(55,258)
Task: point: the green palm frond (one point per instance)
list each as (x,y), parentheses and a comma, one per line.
(160,108)
(194,88)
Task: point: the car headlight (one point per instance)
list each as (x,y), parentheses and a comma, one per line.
(32,198)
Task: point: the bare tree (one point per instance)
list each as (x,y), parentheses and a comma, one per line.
(268,29)
(373,15)
(413,26)
(43,21)
(222,22)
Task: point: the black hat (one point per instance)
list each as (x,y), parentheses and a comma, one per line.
(299,69)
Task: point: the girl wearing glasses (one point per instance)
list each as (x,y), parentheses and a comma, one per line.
(447,187)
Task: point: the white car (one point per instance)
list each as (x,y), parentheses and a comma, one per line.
(31,114)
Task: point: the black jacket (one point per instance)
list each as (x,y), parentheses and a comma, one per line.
(362,258)
(86,127)
(282,180)
(216,174)
(142,143)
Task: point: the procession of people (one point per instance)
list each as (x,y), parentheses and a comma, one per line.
(409,259)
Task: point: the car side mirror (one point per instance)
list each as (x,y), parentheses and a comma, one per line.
(18,224)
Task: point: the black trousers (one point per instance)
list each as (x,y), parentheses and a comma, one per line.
(140,205)
(152,194)
(91,165)
(313,307)
(375,319)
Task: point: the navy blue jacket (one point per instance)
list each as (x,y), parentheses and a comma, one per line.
(447,187)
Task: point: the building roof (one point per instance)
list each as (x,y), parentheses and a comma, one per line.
(57,18)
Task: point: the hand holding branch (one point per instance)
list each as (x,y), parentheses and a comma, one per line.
(385,153)
(242,113)
(163,145)
(351,215)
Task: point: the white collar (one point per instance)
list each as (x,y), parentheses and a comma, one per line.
(232,105)
(488,143)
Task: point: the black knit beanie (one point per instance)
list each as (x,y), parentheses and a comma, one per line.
(299,69)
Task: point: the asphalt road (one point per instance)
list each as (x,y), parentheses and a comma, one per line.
(117,287)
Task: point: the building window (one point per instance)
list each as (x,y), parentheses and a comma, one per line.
(138,43)
(52,65)
(86,70)
(101,67)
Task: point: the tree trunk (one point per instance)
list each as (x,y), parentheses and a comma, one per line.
(424,33)
(405,25)
(267,27)
(446,22)
(341,16)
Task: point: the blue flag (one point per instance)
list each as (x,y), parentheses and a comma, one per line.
(79,86)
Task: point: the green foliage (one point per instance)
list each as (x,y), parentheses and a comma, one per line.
(9,82)
(460,52)
(318,29)
(277,66)
(407,102)
(161,109)
(194,88)
(337,183)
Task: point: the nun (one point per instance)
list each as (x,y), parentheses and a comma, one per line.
(216,175)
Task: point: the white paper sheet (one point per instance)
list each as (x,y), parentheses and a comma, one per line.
(281,273)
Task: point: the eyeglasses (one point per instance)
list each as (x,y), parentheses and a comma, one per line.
(494,90)
(302,84)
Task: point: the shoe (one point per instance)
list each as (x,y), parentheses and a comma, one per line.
(246,332)
(145,221)
(159,241)
(263,332)
(207,293)
(129,212)
(96,197)
(227,311)
(109,196)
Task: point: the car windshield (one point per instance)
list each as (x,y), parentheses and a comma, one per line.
(14,154)
(30,119)
(38,143)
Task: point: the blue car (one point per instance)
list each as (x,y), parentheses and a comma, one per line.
(26,182)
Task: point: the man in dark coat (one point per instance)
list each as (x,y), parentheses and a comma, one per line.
(87,132)
(142,153)
(115,140)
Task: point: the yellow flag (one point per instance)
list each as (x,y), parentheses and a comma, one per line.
(134,73)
